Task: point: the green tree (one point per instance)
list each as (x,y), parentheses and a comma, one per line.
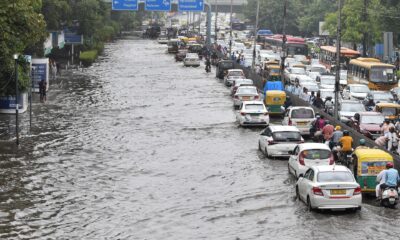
(21,26)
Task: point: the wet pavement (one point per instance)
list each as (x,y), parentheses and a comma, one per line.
(140,147)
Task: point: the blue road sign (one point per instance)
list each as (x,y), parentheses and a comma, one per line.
(131,5)
(158,5)
(191,5)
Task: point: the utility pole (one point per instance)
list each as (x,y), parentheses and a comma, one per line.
(16,97)
(230,32)
(216,19)
(337,79)
(255,36)
(365,33)
(283,52)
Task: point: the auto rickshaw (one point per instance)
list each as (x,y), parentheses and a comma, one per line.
(368,163)
(275,100)
(173,45)
(268,65)
(390,111)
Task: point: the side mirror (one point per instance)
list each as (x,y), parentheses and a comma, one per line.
(291,152)
(301,175)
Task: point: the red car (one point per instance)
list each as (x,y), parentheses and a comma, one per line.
(369,124)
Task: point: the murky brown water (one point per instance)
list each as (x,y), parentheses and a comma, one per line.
(139,147)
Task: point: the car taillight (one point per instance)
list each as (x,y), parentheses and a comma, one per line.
(256,97)
(243,113)
(301,159)
(317,191)
(357,191)
(331,159)
(271,142)
(290,122)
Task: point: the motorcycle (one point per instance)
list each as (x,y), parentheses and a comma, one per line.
(390,197)
(208,68)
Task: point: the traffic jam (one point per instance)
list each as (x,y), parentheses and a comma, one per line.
(333,171)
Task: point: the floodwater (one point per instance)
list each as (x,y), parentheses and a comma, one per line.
(139,147)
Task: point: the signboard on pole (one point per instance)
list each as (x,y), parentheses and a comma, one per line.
(72,37)
(40,71)
(191,5)
(125,5)
(158,5)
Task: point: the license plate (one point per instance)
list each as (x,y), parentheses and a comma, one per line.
(338,191)
(301,123)
(245,98)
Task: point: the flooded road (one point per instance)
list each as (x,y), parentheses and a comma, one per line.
(139,147)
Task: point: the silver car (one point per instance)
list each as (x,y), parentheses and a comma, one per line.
(252,113)
(245,93)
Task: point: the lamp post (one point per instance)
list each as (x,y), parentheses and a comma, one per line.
(255,35)
(283,52)
(16,97)
(337,79)
(230,32)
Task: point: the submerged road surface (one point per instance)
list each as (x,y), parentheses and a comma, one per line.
(139,147)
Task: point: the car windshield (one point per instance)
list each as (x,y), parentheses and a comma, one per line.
(389,111)
(235,73)
(318,69)
(254,107)
(328,80)
(302,113)
(325,94)
(382,96)
(316,154)
(352,107)
(241,82)
(286,136)
(192,55)
(311,87)
(299,71)
(359,89)
(376,119)
(383,75)
(246,91)
(335,176)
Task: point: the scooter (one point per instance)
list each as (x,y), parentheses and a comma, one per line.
(390,197)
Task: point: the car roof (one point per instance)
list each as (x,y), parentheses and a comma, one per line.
(300,107)
(252,102)
(246,87)
(277,128)
(370,113)
(235,70)
(330,168)
(306,146)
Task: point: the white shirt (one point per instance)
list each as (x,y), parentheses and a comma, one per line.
(381,177)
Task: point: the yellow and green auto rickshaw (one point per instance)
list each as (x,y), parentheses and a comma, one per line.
(275,101)
(390,111)
(368,163)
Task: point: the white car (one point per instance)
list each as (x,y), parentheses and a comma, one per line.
(245,93)
(191,60)
(293,73)
(240,82)
(162,39)
(311,87)
(348,108)
(279,140)
(327,81)
(355,92)
(329,187)
(304,78)
(252,113)
(306,155)
(233,74)
(301,117)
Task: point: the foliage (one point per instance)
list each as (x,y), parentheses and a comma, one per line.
(21,25)
(88,57)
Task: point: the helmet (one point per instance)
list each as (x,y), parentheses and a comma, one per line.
(362,141)
(337,128)
(345,133)
(389,165)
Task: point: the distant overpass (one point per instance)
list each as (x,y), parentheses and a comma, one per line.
(225,5)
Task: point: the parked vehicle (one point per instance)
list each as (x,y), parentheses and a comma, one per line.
(233,74)
(279,141)
(301,117)
(355,92)
(191,60)
(240,82)
(222,68)
(306,155)
(245,93)
(329,187)
(252,113)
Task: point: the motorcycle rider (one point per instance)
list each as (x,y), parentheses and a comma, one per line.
(362,144)
(390,176)
(208,64)
(346,143)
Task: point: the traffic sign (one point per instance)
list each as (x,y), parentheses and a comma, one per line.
(191,5)
(158,5)
(130,5)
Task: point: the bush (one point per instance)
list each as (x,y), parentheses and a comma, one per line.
(88,57)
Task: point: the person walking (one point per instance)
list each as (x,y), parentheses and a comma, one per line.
(42,90)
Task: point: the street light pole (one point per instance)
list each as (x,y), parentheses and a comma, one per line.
(16,97)
(216,17)
(230,32)
(337,79)
(283,52)
(255,35)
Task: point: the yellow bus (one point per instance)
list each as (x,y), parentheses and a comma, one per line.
(373,73)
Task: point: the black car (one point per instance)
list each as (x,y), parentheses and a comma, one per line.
(223,66)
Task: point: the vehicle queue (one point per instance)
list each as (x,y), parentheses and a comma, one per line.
(331,173)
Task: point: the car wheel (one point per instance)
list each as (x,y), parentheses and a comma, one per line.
(297,193)
(288,168)
(309,206)
(259,146)
(266,153)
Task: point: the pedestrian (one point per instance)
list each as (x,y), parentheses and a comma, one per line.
(385,127)
(392,140)
(381,141)
(318,101)
(297,89)
(312,97)
(327,131)
(304,95)
(42,90)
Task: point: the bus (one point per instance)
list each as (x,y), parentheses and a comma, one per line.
(294,45)
(327,56)
(373,73)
